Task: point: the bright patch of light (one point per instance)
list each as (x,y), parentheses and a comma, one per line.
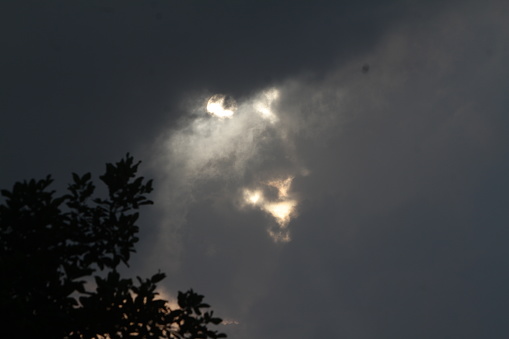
(282,186)
(253,197)
(271,95)
(233,145)
(219,106)
(281,209)
(264,104)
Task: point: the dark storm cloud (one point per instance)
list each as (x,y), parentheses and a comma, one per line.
(400,170)
(405,190)
(402,197)
(94,74)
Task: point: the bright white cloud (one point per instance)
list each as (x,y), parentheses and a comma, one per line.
(221,106)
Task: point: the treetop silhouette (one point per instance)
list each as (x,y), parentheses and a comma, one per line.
(50,246)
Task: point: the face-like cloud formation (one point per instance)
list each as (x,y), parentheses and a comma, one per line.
(400,119)
(243,151)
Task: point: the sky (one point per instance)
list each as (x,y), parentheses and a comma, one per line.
(327,169)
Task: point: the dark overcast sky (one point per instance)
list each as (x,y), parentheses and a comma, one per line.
(392,119)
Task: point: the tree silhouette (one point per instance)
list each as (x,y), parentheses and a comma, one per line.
(51,246)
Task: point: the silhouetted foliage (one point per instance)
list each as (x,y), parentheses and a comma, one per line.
(51,246)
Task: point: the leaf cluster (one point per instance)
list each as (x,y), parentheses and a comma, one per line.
(51,246)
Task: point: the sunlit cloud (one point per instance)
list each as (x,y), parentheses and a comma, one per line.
(282,209)
(264,102)
(282,186)
(253,197)
(221,106)
(246,146)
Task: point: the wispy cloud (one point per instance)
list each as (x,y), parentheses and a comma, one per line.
(238,147)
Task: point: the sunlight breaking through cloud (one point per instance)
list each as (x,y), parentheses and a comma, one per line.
(282,186)
(246,145)
(264,104)
(221,106)
(282,209)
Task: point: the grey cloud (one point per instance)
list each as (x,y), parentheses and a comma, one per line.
(405,185)
(400,172)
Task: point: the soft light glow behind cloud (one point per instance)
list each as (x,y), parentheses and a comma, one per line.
(235,153)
